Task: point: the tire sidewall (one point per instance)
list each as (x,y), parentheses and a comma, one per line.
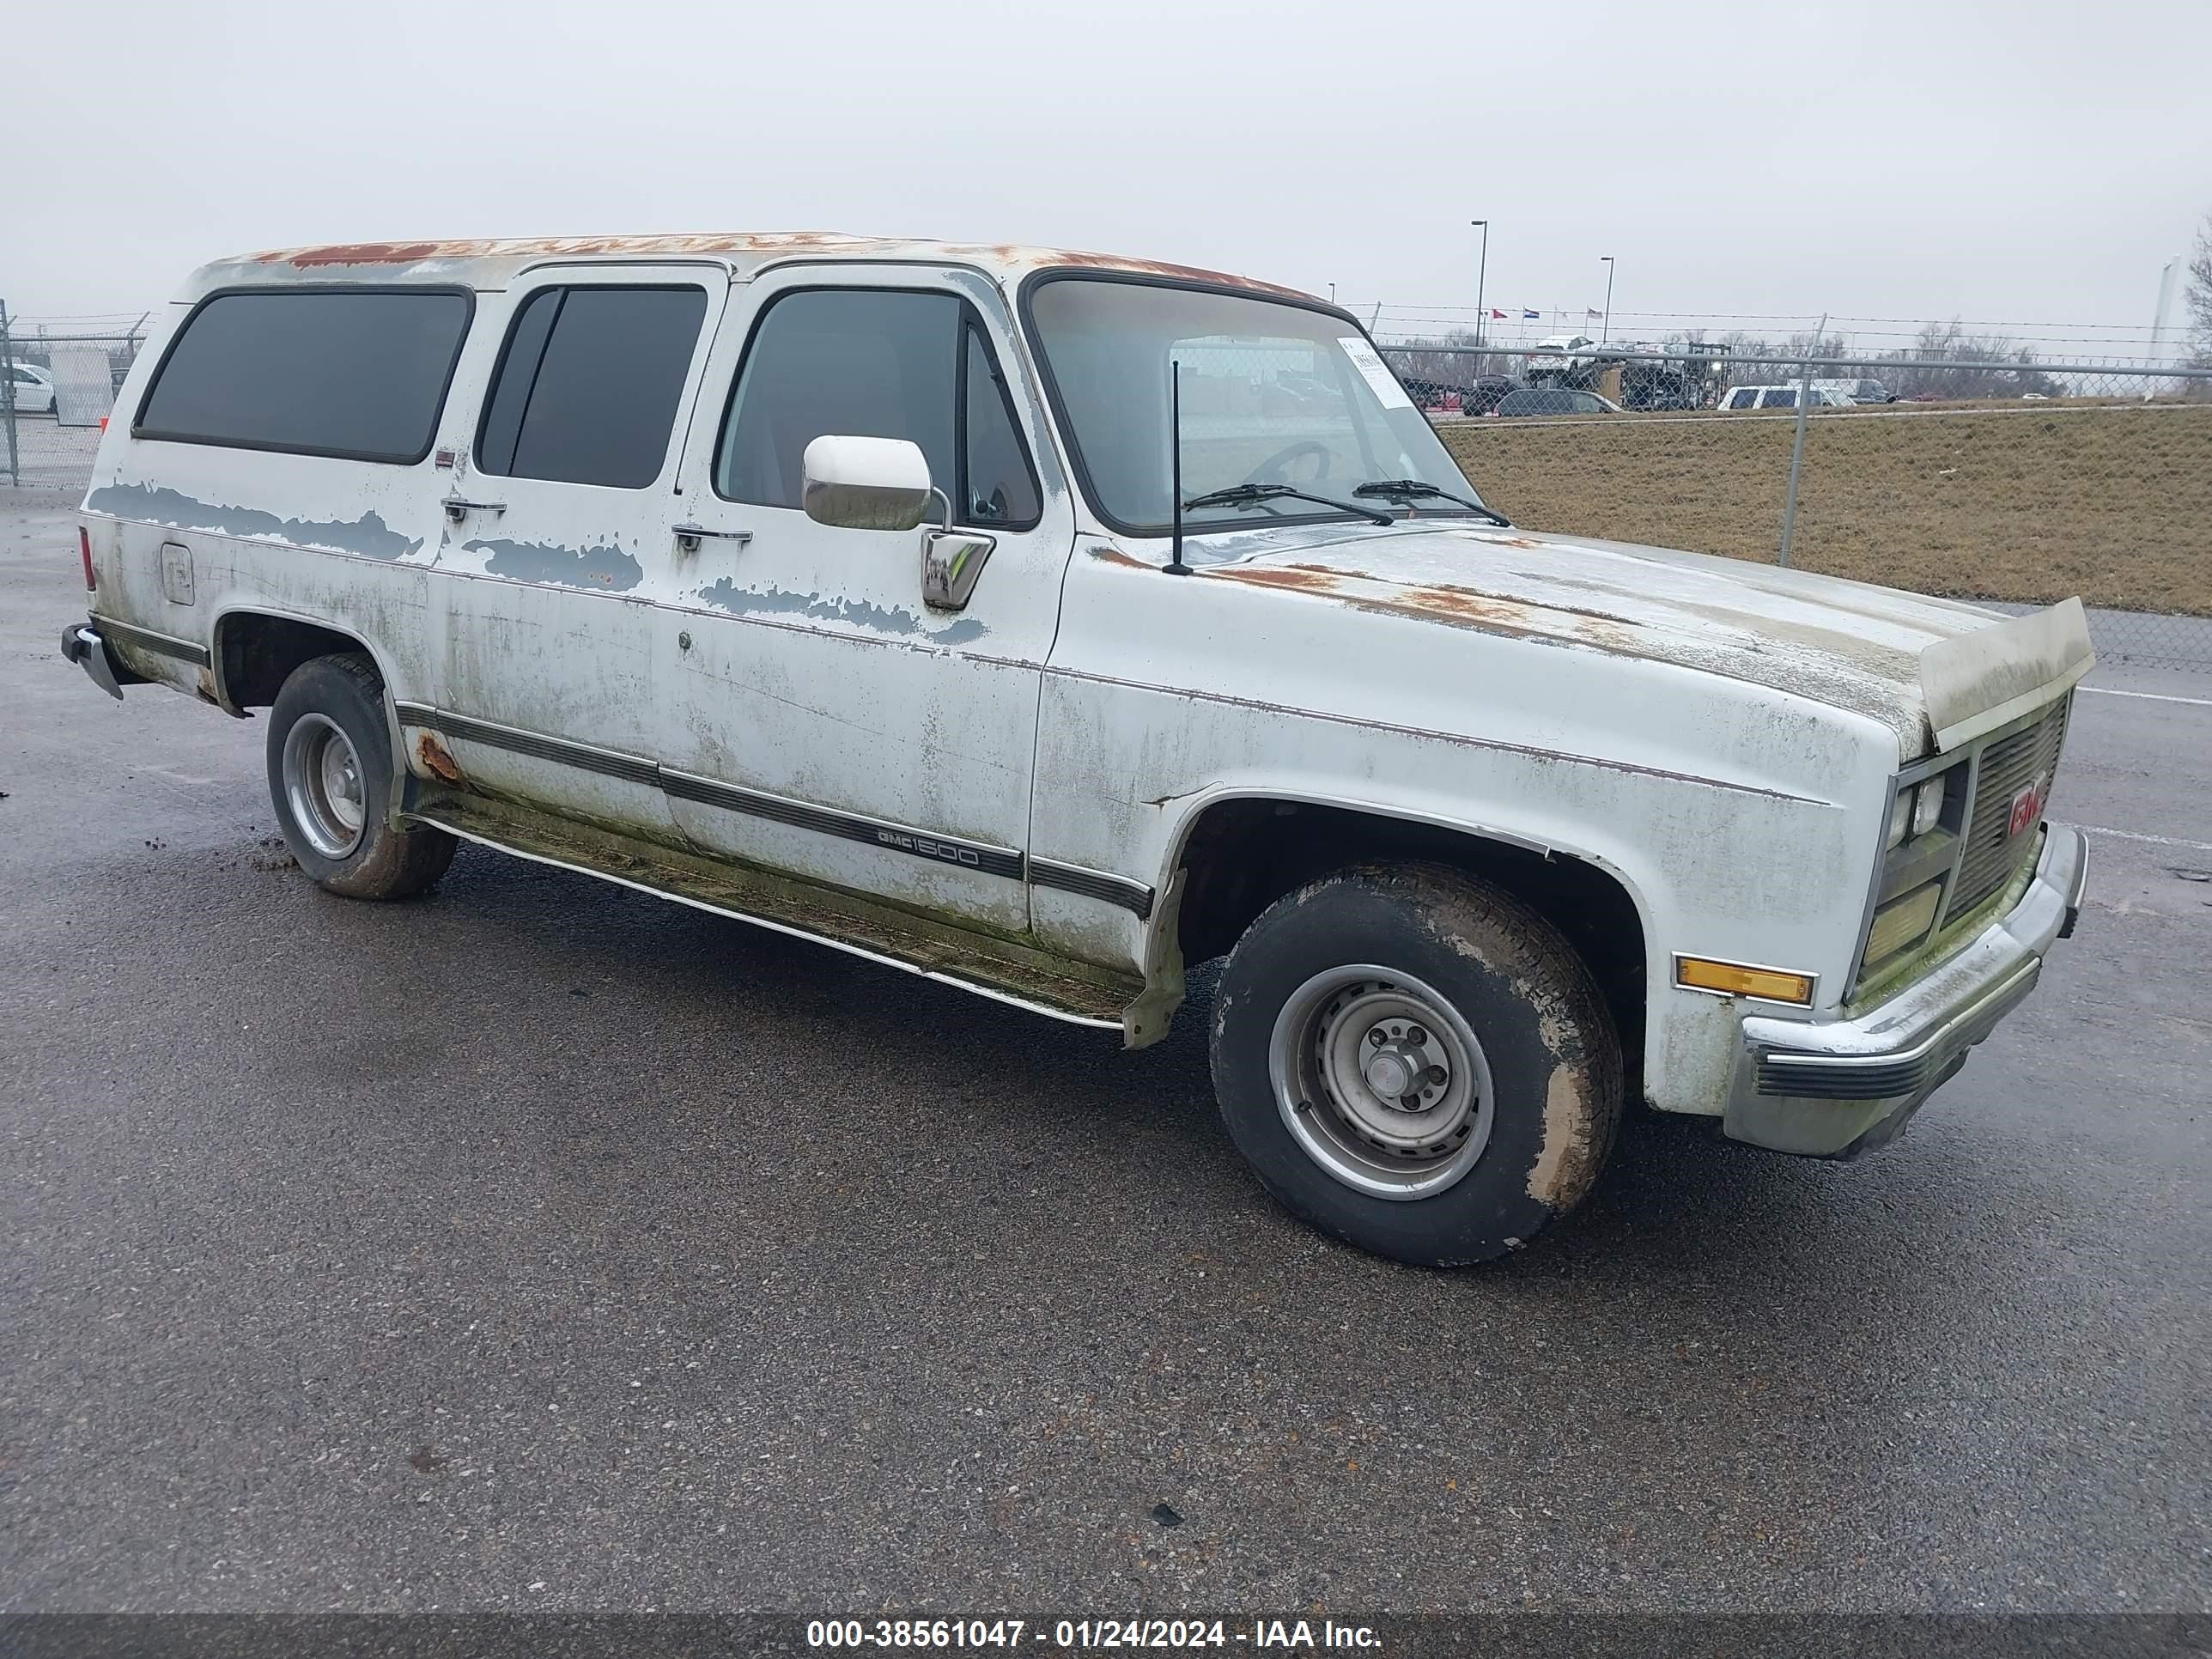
(331,686)
(1547,1071)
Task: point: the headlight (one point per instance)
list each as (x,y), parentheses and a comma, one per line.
(1928,805)
(1900,818)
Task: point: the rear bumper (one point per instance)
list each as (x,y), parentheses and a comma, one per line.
(1839,1088)
(81,644)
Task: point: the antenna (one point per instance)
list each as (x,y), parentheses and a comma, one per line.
(1176,567)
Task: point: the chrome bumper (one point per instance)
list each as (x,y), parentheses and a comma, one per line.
(1837,1089)
(81,644)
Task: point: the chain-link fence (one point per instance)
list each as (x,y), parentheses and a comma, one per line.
(58,385)
(1974,478)
(2001,480)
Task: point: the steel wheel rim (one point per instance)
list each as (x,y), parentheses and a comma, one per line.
(324,785)
(1351,1048)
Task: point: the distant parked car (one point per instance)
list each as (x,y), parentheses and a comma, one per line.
(1857,391)
(1780,396)
(1486,394)
(1555,400)
(35,389)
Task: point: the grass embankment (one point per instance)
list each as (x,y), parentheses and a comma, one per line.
(2112,501)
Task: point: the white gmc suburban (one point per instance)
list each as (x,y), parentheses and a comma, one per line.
(1041,623)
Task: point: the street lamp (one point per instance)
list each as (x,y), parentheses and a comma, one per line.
(1481,271)
(1605,328)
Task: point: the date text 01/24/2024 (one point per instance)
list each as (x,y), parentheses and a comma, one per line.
(1089,1634)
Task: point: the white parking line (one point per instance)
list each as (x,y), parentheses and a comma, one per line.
(2149,697)
(2156,840)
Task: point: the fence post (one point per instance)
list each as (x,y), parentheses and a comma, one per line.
(1797,448)
(7,395)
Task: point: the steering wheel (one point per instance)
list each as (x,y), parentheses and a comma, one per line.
(1271,470)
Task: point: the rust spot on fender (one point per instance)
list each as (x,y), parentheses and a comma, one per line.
(437,759)
(205,686)
(1116,556)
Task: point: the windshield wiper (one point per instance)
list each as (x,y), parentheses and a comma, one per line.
(1256,494)
(1415,489)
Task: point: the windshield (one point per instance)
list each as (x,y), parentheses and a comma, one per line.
(1272,393)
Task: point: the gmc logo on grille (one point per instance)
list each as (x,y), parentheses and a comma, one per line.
(2028,807)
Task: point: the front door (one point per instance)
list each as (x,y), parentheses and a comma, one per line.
(556,543)
(832,723)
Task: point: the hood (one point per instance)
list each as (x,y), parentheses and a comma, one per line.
(1849,644)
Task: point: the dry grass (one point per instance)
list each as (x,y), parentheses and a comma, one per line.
(2113,503)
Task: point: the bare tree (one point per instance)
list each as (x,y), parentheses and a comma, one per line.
(2200,293)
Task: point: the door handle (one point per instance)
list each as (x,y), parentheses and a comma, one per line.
(457,510)
(689,536)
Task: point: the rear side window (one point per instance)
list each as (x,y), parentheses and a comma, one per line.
(355,372)
(587,387)
(1779,397)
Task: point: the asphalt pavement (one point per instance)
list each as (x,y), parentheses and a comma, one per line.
(540,1245)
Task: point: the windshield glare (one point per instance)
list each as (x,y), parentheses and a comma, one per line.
(1272,393)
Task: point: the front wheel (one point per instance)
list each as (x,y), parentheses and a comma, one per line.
(1416,1062)
(330,778)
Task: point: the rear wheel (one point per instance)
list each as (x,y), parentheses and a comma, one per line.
(330,778)
(1416,1062)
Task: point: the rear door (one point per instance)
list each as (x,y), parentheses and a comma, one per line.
(831,722)
(556,540)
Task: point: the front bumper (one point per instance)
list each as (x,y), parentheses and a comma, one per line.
(1842,1087)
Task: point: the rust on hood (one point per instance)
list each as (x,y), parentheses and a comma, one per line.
(437,760)
(1440,602)
(1304,578)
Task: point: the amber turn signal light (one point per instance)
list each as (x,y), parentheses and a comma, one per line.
(1734,979)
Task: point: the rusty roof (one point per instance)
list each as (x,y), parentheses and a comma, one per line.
(497,258)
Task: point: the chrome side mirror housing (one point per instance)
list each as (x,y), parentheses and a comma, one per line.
(865,484)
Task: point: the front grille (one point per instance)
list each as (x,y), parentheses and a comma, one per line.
(2008,766)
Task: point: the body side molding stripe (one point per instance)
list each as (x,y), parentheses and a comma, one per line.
(823,820)
(1093,884)
(165,645)
(978,856)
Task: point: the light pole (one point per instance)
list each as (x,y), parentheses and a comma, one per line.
(1481,271)
(1605,328)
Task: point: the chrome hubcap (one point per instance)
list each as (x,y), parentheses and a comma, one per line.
(323,785)
(1381,1081)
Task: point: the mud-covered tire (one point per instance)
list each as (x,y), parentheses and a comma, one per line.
(331,776)
(1546,1053)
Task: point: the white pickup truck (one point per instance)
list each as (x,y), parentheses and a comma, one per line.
(1041,623)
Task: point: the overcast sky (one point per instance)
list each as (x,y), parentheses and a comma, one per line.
(2022,162)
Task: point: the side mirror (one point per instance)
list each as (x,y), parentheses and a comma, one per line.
(865,484)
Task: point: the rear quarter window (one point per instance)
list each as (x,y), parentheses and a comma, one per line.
(353,372)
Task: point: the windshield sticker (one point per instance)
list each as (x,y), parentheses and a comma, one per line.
(1373,370)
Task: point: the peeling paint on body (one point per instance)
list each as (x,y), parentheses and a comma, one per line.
(602,566)
(367,537)
(726,595)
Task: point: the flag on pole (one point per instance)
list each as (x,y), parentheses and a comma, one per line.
(1594,312)
(1496,315)
(1528,316)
